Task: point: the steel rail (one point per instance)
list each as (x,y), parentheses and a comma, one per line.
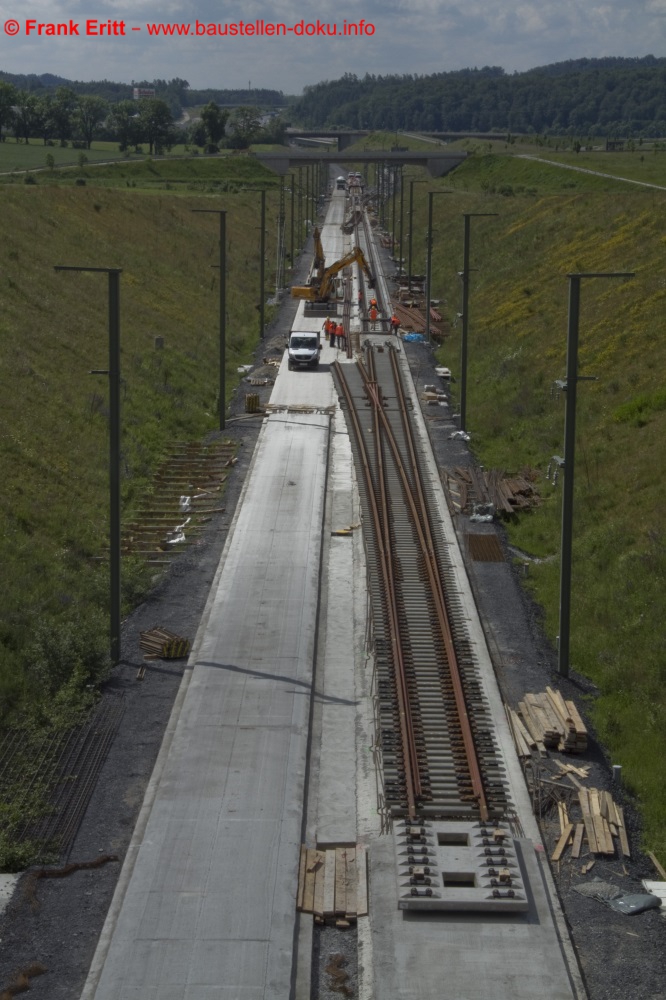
(393,612)
(410,753)
(429,552)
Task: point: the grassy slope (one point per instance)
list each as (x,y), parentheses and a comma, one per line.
(53,330)
(518,324)
(21,156)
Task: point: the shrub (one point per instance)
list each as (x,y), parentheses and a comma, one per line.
(68,648)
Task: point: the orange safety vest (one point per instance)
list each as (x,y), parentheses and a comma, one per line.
(339,330)
(373,314)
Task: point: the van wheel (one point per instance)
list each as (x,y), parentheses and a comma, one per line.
(290,366)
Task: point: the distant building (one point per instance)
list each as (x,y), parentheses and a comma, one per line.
(139,92)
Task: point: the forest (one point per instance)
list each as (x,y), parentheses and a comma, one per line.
(175,93)
(587,97)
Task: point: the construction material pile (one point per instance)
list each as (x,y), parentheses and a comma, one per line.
(546,721)
(160,644)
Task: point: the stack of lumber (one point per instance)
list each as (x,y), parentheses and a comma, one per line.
(160,644)
(552,722)
(333,884)
(510,493)
(602,820)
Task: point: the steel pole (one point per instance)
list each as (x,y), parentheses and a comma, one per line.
(463,337)
(570,387)
(113,373)
(431,197)
(393,212)
(402,219)
(291,252)
(114,464)
(429,265)
(222,307)
(223,316)
(262,265)
(410,234)
(568,487)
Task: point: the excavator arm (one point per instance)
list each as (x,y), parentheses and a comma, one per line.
(320,290)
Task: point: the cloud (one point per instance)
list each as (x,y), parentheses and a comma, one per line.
(419,37)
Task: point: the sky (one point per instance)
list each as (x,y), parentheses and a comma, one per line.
(398,36)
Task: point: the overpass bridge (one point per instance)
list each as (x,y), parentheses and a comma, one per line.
(436,163)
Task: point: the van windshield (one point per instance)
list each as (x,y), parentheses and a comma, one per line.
(309,343)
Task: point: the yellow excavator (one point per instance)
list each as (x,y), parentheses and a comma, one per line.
(322,280)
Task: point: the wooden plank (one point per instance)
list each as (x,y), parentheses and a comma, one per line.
(522,730)
(562,842)
(603,835)
(650,855)
(340,881)
(595,813)
(319,868)
(576,718)
(517,730)
(578,840)
(312,864)
(559,702)
(301,877)
(583,798)
(534,730)
(624,842)
(350,872)
(361,881)
(329,885)
(612,808)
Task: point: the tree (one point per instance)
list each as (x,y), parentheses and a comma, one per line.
(90,111)
(26,115)
(43,122)
(7,102)
(62,112)
(246,123)
(214,121)
(123,123)
(197,133)
(155,124)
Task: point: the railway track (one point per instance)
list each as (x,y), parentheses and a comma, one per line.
(438,750)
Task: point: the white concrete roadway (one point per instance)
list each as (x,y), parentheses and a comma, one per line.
(205,907)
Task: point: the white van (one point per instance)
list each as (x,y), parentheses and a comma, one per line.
(303,350)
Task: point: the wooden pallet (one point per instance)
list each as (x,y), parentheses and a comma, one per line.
(333,884)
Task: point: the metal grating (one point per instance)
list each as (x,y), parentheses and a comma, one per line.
(484,548)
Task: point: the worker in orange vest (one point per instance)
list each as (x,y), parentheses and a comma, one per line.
(372,314)
(395,324)
(340,334)
(331,332)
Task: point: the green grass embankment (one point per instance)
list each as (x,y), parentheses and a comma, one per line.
(549,223)
(54,425)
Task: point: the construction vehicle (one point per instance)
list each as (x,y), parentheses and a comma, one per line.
(322,281)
